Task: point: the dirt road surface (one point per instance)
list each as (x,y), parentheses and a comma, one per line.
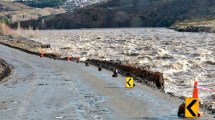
(46,89)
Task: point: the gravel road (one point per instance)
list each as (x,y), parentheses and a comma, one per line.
(45,89)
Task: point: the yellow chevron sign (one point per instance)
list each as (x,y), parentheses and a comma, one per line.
(191,107)
(129,82)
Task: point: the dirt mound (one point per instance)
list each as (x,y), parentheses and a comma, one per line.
(5,69)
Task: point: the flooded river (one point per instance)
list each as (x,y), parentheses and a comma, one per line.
(181,56)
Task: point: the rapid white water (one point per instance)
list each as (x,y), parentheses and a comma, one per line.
(181,56)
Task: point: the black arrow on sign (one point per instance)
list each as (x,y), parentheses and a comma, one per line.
(190,106)
(128,82)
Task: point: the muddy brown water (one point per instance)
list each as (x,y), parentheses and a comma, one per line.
(182,56)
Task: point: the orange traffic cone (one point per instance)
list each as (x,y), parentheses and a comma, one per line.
(68,59)
(42,53)
(196,95)
(195,90)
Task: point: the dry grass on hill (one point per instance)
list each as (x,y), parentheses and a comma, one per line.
(14,11)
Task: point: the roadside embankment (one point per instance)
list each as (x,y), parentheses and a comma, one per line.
(140,74)
(28,46)
(5,70)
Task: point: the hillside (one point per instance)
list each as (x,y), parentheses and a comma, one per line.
(11,12)
(12,6)
(130,13)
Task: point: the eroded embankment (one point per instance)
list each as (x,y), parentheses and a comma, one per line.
(140,74)
(28,46)
(5,69)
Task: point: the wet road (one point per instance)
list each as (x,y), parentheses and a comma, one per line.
(45,89)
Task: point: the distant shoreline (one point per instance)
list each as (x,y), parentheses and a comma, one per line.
(203,26)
